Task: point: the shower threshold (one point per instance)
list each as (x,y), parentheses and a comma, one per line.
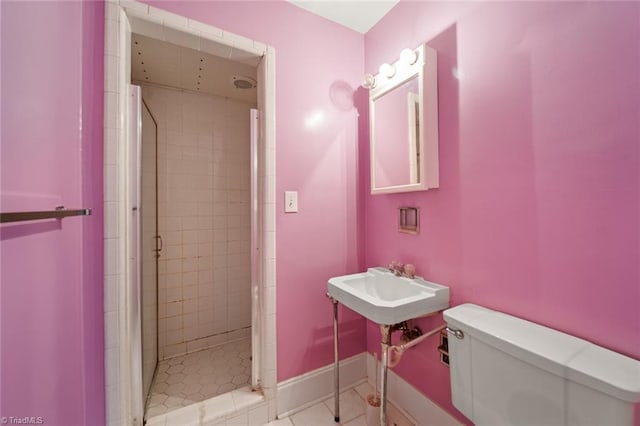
(236,407)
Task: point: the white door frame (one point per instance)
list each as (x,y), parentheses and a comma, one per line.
(120,366)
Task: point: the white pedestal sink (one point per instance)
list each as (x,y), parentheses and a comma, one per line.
(386,299)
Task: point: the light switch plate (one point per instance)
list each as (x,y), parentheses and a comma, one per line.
(290,201)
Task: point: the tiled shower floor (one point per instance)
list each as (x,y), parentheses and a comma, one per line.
(198,376)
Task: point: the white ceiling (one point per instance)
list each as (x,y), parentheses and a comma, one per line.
(160,62)
(208,70)
(359,15)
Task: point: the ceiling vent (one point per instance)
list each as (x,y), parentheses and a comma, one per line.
(244,82)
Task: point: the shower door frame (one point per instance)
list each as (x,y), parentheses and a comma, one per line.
(124,371)
(157,239)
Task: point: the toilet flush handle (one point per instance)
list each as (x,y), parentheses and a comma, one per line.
(458,333)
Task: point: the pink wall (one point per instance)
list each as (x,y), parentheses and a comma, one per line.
(51,272)
(318,66)
(539,199)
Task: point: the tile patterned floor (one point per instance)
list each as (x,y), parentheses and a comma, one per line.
(242,407)
(195,377)
(352,412)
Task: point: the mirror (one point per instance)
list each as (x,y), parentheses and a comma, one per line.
(404,125)
(397,131)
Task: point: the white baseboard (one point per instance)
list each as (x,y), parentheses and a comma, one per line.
(310,388)
(410,400)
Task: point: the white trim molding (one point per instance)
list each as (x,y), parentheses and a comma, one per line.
(121,18)
(303,391)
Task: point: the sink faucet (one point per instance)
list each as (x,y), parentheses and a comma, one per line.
(396,268)
(402,270)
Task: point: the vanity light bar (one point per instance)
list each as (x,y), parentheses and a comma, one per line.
(408,57)
(393,74)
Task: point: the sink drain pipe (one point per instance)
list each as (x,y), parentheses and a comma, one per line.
(396,351)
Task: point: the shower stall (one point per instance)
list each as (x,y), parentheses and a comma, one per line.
(197,160)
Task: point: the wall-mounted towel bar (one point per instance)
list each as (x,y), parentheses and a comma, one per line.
(58,213)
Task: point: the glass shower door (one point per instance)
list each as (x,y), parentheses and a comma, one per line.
(150,246)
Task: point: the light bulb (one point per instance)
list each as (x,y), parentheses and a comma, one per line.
(368,81)
(387,70)
(409,56)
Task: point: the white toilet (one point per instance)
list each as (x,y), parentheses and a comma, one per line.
(508,371)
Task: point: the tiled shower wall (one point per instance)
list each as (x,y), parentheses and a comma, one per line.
(204,293)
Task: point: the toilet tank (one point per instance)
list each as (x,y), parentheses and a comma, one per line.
(509,371)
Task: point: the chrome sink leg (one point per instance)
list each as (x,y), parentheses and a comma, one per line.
(385,343)
(336,370)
